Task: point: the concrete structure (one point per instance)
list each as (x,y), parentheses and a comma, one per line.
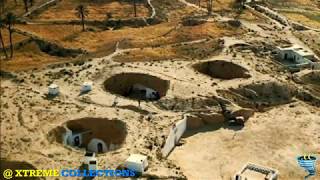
(53,90)
(137,163)
(175,134)
(253,171)
(296,55)
(86,87)
(180,128)
(169,144)
(90,160)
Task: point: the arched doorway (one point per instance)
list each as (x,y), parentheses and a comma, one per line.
(76,141)
(100,148)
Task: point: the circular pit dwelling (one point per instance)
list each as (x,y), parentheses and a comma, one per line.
(137,86)
(260,94)
(98,135)
(222,70)
(312,78)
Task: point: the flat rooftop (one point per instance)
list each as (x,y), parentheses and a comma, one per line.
(298,49)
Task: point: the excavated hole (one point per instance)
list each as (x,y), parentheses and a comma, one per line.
(311,92)
(199,120)
(260,95)
(94,134)
(178,104)
(313,80)
(222,70)
(137,86)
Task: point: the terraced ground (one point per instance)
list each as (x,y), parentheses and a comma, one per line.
(98,10)
(305,12)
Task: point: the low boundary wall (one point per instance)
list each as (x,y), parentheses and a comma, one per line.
(175,134)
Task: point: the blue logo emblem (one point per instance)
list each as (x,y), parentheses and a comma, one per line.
(308,163)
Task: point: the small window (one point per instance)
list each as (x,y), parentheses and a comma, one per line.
(100,148)
(93,162)
(89,154)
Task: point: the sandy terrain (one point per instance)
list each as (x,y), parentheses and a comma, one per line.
(274,138)
(173,54)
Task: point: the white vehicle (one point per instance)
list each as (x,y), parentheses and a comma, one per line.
(137,163)
(140,91)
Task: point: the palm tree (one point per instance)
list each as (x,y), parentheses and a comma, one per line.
(10,21)
(82,13)
(209,6)
(26,6)
(108,15)
(31,2)
(241,3)
(135,7)
(2,6)
(1,39)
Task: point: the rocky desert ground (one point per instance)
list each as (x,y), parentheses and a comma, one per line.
(202,63)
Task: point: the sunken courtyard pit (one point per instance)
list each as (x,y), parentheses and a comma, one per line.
(98,135)
(137,86)
(189,104)
(312,79)
(260,95)
(222,70)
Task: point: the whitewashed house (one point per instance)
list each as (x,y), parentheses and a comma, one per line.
(53,90)
(85,139)
(137,163)
(97,135)
(296,55)
(86,87)
(74,138)
(97,145)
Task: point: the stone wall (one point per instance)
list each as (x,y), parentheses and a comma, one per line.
(272,14)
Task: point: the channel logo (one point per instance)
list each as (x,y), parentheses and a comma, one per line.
(8,174)
(23,173)
(308,163)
